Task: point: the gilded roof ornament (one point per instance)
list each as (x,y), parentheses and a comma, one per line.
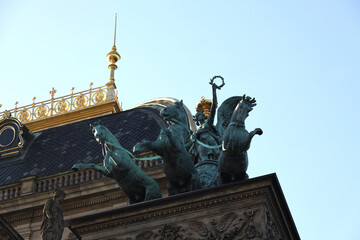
(113,56)
(52,93)
(59,105)
(6,114)
(204,105)
(32,113)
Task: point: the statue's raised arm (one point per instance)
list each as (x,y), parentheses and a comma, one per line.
(214,98)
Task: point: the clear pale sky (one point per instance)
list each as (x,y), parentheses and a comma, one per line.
(300,59)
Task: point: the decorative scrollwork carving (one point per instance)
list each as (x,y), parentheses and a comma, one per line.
(251,224)
(99,97)
(171,231)
(59,105)
(6,115)
(81,101)
(24,115)
(62,106)
(42,111)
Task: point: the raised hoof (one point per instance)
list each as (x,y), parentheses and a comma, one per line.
(138,147)
(75,168)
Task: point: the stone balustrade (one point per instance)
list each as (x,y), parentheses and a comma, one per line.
(32,184)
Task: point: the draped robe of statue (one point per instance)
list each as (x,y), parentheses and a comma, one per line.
(52,226)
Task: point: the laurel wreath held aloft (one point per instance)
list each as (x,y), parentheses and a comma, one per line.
(222,82)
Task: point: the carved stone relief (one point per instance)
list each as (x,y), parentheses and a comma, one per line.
(254,223)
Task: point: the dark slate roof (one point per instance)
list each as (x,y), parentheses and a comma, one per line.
(58,149)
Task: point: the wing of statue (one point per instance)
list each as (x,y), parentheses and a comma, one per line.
(224,113)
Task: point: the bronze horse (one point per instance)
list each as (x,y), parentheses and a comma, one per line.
(178,165)
(233,160)
(119,165)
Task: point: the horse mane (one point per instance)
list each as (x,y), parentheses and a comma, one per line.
(247,103)
(225,112)
(182,116)
(110,139)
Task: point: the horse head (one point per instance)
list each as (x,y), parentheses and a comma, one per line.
(199,117)
(243,108)
(176,113)
(102,134)
(98,132)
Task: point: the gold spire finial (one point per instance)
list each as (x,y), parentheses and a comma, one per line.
(113,57)
(114,46)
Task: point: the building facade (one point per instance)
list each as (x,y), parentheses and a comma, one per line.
(40,142)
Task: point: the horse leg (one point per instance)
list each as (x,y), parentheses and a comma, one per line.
(108,166)
(142,146)
(173,189)
(100,169)
(257,131)
(153,146)
(173,139)
(243,176)
(152,192)
(228,142)
(194,182)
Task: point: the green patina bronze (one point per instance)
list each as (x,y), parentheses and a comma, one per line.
(119,165)
(233,160)
(206,138)
(170,145)
(219,152)
(206,142)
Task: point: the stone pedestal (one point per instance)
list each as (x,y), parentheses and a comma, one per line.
(252,209)
(28,185)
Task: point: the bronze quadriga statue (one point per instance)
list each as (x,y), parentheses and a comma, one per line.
(119,165)
(219,152)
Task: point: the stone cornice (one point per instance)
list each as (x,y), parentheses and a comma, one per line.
(262,193)
(163,213)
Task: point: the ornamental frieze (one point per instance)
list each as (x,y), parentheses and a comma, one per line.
(253,223)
